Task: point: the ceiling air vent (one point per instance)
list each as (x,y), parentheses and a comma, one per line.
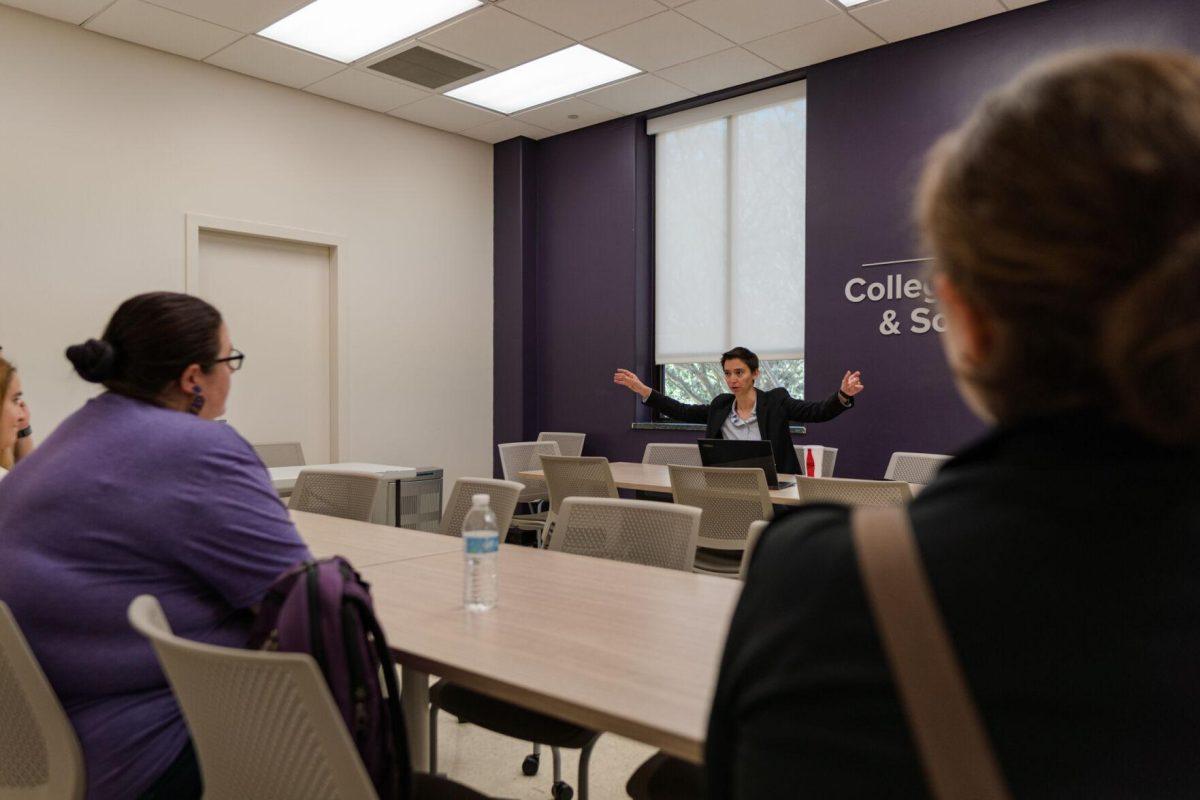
(425,67)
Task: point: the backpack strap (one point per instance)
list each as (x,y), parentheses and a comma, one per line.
(958,758)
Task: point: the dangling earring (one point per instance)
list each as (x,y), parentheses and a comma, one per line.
(197,401)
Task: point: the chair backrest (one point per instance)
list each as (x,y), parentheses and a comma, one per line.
(516,457)
(851,492)
(827,461)
(637,531)
(281,454)
(585,476)
(502,497)
(569,444)
(350,495)
(264,723)
(730,497)
(662,453)
(756,529)
(914,467)
(40,758)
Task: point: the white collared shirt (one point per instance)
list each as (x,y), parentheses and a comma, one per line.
(735,427)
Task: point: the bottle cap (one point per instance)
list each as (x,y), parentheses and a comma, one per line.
(479,499)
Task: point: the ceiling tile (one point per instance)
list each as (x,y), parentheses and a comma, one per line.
(902,19)
(582,19)
(446,113)
(497,38)
(812,44)
(73,11)
(274,62)
(637,94)
(660,41)
(136,21)
(369,91)
(557,116)
(248,16)
(730,67)
(506,128)
(1020,3)
(746,20)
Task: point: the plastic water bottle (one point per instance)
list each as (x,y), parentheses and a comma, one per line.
(481,541)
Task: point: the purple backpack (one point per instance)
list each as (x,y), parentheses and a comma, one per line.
(324,608)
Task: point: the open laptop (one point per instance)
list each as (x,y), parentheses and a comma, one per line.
(742,453)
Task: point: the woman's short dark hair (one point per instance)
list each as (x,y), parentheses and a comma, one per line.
(150,340)
(741,353)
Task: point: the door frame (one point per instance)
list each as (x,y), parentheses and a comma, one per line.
(337,245)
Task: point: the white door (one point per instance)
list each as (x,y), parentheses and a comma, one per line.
(275,297)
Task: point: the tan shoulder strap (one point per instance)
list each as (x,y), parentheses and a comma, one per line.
(955,751)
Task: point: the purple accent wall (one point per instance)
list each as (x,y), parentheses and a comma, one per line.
(871,118)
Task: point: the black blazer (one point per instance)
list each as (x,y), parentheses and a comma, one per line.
(1063,554)
(775,410)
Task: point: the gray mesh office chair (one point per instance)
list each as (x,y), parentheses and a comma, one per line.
(914,467)
(827,461)
(663,453)
(360,496)
(569,444)
(517,457)
(281,454)
(586,476)
(502,497)
(850,492)
(264,723)
(637,531)
(40,758)
(731,498)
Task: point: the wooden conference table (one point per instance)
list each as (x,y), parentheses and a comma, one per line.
(616,647)
(656,478)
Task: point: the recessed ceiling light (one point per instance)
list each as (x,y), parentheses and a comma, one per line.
(547,78)
(347,30)
(851,3)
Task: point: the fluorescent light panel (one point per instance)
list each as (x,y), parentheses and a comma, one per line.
(852,3)
(542,80)
(347,30)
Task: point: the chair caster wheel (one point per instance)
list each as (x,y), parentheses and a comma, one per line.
(531,763)
(562,791)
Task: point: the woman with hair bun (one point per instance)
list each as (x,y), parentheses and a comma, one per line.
(1062,550)
(140,492)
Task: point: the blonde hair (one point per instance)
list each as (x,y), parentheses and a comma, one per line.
(6,373)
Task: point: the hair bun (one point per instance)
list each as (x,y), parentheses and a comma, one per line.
(94,360)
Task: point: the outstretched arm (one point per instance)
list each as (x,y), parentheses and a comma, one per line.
(664,405)
(830,407)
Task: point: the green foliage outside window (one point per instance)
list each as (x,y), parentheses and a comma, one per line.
(701,382)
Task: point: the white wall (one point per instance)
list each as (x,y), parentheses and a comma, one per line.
(105,146)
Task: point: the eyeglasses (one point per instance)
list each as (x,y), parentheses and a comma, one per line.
(234,360)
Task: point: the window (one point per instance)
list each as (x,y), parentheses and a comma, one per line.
(729,240)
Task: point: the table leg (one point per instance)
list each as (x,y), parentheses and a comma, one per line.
(414,701)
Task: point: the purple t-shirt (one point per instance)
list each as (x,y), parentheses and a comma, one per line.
(123,499)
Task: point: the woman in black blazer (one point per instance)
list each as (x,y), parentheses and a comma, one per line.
(747,412)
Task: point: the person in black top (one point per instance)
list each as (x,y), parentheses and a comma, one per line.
(747,412)
(1063,548)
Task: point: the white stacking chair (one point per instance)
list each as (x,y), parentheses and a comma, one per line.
(517,457)
(756,529)
(502,497)
(731,498)
(636,531)
(852,492)
(40,757)
(585,476)
(264,723)
(280,454)
(687,455)
(569,444)
(914,467)
(360,496)
(828,459)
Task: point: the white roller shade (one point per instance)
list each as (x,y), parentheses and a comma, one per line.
(729,234)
